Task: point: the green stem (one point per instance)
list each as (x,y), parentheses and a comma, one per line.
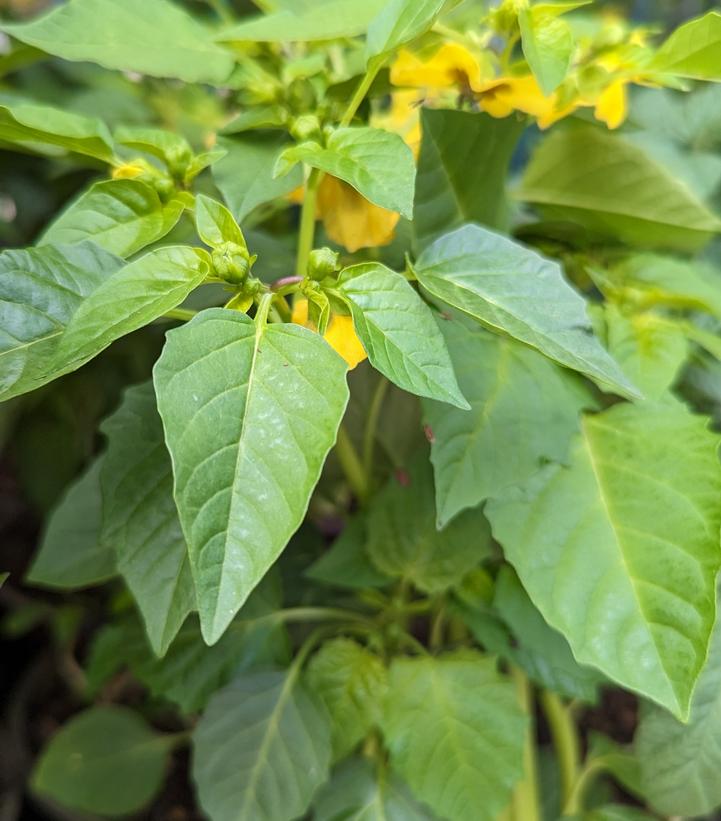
(360,93)
(351,464)
(261,316)
(526,805)
(306,233)
(435,640)
(565,740)
(183,314)
(371,427)
(574,804)
(223,12)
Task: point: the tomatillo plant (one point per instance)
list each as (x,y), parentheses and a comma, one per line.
(396,588)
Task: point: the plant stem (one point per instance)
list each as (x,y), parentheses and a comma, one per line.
(565,739)
(375,66)
(351,464)
(435,639)
(183,314)
(306,232)
(526,805)
(223,12)
(574,803)
(371,427)
(261,315)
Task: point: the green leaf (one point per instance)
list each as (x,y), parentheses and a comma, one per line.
(403,540)
(680,763)
(71,554)
(157,38)
(121,216)
(450,191)
(138,293)
(377,163)
(693,49)
(650,279)
(167,146)
(540,650)
(399,22)
(612,188)
(548,42)
(649,348)
(245,175)
(320,21)
(524,411)
(512,289)
(261,749)
(399,332)
(355,793)
(190,672)
(455,732)
(616,812)
(105,760)
(640,496)
(347,564)
(250,414)
(215,223)
(40,290)
(351,682)
(140,520)
(30,125)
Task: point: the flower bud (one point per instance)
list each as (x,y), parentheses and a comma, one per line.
(306,127)
(231,263)
(322,263)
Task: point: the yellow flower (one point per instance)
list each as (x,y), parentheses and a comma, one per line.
(612,103)
(452,66)
(340,334)
(350,220)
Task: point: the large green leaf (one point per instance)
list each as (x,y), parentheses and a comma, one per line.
(524,411)
(261,749)
(105,760)
(140,520)
(450,190)
(156,38)
(30,125)
(641,496)
(250,413)
(399,332)
(40,290)
(399,22)
(376,163)
(680,763)
(547,41)
(121,216)
(134,296)
(612,188)
(539,649)
(351,682)
(693,50)
(356,793)
(320,21)
(71,554)
(455,732)
(245,175)
(403,540)
(514,290)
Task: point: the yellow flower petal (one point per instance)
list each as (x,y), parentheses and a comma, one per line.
(612,104)
(452,66)
(506,94)
(352,221)
(340,334)
(128,171)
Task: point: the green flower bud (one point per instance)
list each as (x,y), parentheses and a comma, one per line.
(322,263)
(164,186)
(231,263)
(306,127)
(301,95)
(178,159)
